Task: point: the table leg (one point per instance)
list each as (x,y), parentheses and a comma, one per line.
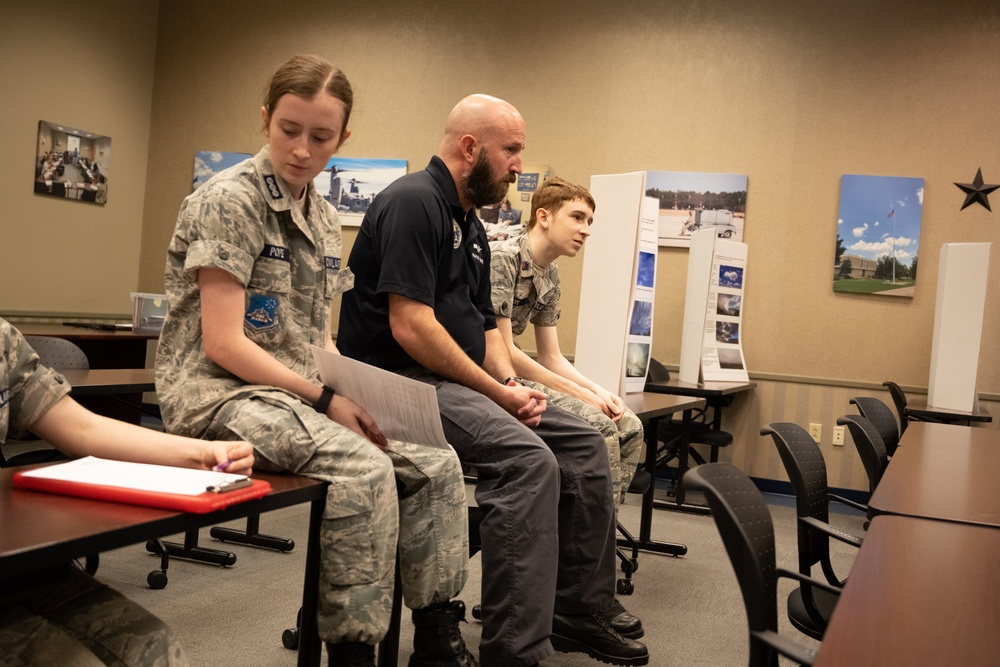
(310,647)
(645,542)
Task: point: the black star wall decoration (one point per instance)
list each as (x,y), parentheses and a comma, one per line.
(977,192)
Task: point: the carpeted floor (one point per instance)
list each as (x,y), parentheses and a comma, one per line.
(690,606)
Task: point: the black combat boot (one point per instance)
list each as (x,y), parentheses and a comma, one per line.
(351,654)
(437,641)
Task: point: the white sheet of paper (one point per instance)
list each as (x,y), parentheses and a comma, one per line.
(139,476)
(404,409)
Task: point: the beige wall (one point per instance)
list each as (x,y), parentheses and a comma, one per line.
(92,69)
(793,94)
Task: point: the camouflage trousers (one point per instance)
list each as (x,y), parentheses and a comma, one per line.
(81,622)
(411,496)
(624,438)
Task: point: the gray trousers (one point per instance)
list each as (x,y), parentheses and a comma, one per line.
(411,496)
(548,524)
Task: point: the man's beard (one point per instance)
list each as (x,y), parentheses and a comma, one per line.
(481,186)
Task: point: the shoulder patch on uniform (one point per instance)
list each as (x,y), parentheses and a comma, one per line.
(272,186)
(261,312)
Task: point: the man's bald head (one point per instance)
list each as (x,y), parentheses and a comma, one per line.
(482,144)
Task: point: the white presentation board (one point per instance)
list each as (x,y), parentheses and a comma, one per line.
(963,271)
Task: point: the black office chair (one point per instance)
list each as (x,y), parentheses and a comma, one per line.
(881,417)
(899,400)
(744,524)
(810,610)
(869,445)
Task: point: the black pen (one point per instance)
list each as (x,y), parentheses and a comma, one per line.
(230,486)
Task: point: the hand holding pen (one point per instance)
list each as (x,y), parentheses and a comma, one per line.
(229,456)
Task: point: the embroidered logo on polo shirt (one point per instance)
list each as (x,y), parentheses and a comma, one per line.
(272,186)
(456,235)
(276,252)
(261,312)
(332,263)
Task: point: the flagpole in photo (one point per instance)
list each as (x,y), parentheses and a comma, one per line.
(892,214)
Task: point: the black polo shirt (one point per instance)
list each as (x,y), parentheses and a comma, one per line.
(416,241)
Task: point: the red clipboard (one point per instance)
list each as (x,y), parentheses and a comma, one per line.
(199,504)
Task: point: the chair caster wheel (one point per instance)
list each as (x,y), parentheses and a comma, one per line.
(157,580)
(625,587)
(477,612)
(290,639)
(635,564)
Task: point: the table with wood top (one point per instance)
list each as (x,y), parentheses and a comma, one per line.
(918,409)
(921,592)
(42,530)
(100,381)
(104,349)
(944,472)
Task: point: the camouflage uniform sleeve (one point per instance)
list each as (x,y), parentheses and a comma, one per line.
(223,229)
(503,275)
(34,388)
(548,314)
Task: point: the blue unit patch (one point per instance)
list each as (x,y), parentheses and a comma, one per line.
(272,186)
(261,312)
(332,263)
(276,252)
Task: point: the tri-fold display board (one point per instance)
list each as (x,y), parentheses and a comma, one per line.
(615,327)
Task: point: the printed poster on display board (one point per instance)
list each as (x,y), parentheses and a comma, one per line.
(712,336)
(640,329)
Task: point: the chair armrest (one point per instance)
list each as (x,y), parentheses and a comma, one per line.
(786,647)
(806,579)
(827,529)
(850,503)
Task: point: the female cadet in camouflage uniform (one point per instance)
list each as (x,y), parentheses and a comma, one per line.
(63,616)
(251,273)
(525,286)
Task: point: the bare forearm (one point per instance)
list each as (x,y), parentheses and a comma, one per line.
(78,432)
(249,362)
(559,365)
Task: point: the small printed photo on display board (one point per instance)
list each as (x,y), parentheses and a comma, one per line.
(642,318)
(728,304)
(727,332)
(730,358)
(646,274)
(71,163)
(730,276)
(636,360)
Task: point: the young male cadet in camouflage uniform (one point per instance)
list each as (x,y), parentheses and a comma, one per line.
(251,274)
(61,615)
(421,307)
(525,287)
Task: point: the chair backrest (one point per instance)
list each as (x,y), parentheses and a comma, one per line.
(744,524)
(899,399)
(806,470)
(881,417)
(59,353)
(869,445)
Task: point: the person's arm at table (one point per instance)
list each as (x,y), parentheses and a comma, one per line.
(78,432)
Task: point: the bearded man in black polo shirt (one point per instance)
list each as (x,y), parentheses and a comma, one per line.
(421,307)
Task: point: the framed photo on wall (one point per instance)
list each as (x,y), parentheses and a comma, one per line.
(71,163)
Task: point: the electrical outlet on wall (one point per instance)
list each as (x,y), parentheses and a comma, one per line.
(816,431)
(838,435)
